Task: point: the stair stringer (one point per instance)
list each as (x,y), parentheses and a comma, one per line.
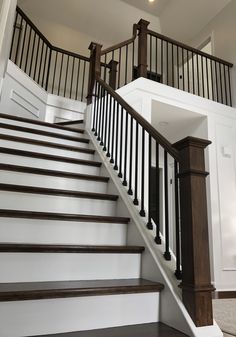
(153,265)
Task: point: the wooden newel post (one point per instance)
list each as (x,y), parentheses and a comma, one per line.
(142,48)
(112,73)
(196,281)
(94,68)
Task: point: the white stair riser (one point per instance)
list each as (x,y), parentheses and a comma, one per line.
(19,178)
(42,127)
(37,267)
(80,126)
(56,140)
(49,164)
(58,204)
(61,232)
(47,150)
(30,318)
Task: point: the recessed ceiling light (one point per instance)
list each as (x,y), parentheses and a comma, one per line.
(151,0)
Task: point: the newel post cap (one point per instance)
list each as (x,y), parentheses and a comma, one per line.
(191,142)
(94,45)
(143,23)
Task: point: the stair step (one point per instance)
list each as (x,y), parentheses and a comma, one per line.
(44,133)
(32,141)
(64,289)
(61,217)
(80,121)
(58,126)
(48,157)
(56,192)
(36,248)
(47,172)
(139,330)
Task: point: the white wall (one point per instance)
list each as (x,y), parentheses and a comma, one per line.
(222,29)
(7,14)
(21,96)
(74,24)
(187,114)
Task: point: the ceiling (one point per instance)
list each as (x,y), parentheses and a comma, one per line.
(182,19)
(113,19)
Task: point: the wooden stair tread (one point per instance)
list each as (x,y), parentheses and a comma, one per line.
(140,330)
(44,133)
(79,121)
(55,248)
(56,192)
(62,174)
(37,122)
(6,213)
(63,289)
(46,156)
(45,143)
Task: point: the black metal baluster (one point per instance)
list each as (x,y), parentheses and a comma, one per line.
(36,59)
(113,132)
(156,65)
(167,62)
(59,84)
(207,78)
(183,75)
(188,72)
(44,67)
(193,70)
(230,94)
(216,82)
(117,135)
(82,92)
(18,42)
(32,55)
(97,109)
(23,46)
(167,238)
(54,73)
(150,55)
(226,96)
(102,117)
(72,77)
(198,78)
(28,48)
(119,72)
(109,128)
(77,81)
(221,85)
(136,165)
(162,60)
(66,75)
(13,36)
(212,82)
(106,123)
(142,211)
(157,187)
(41,60)
(105,68)
(178,272)
(173,68)
(203,82)
(149,224)
(178,64)
(95,106)
(130,192)
(132,71)
(126,63)
(121,142)
(125,152)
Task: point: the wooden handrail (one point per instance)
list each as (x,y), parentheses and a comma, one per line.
(142,121)
(184,46)
(122,44)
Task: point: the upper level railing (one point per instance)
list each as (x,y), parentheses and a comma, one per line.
(152,55)
(58,71)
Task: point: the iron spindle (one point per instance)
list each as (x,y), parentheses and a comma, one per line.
(130,192)
(167,238)
(142,211)
(157,201)
(121,142)
(149,224)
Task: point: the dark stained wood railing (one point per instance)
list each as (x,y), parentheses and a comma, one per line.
(58,71)
(145,161)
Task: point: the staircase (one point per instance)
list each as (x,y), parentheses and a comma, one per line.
(64,259)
